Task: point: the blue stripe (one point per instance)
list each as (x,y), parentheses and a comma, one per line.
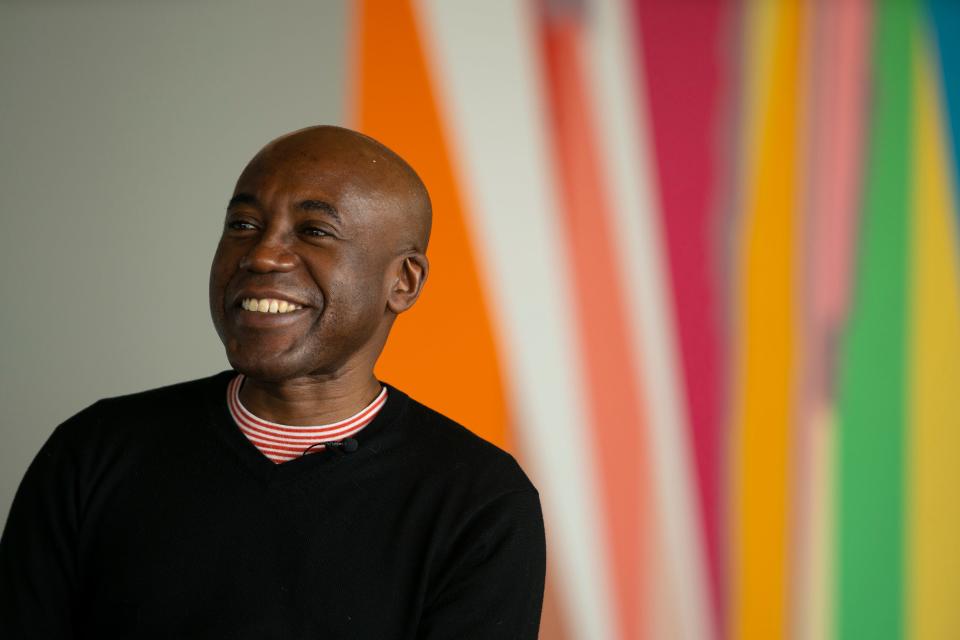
(945,18)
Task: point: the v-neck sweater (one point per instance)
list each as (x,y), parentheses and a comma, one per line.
(153,516)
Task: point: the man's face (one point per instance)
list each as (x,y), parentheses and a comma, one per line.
(315,228)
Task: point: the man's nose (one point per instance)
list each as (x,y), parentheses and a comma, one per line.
(271,253)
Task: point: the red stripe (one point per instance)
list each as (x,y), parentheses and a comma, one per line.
(294,439)
(681,45)
(253,430)
(310,435)
(243,416)
(311,429)
(253,433)
(292,436)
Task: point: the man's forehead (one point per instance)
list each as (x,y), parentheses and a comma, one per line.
(332,169)
(348,170)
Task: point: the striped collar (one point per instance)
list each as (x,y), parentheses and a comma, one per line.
(280,442)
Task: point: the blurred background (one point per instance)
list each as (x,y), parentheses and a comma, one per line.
(695,263)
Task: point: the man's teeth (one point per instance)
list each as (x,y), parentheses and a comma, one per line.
(269,305)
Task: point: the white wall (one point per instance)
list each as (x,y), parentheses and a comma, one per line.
(122,128)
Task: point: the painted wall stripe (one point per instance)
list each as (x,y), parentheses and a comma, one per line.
(769,341)
(612,383)
(829,361)
(680,605)
(679,45)
(802,512)
(872,379)
(933,514)
(490,89)
(814,595)
(449,328)
(838,78)
(841,118)
(944,16)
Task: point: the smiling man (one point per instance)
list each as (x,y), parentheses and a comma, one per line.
(294,496)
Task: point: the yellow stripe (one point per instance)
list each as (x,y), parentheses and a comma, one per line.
(768,335)
(934,435)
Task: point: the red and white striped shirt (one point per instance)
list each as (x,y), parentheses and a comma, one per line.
(281,442)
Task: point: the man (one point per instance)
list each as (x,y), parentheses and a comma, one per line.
(295,496)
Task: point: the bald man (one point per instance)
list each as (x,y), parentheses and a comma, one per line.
(295,495)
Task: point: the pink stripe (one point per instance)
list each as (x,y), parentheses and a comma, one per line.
(840,115)
(611,375)
(681,47)
(839,79)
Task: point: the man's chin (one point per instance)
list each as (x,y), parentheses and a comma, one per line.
(266,366)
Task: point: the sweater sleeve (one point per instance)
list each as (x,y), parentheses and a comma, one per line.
(491,583)
(38,560)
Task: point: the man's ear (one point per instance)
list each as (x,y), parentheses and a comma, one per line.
(411,274)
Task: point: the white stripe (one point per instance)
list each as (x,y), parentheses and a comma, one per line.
(485,63)
(617,82)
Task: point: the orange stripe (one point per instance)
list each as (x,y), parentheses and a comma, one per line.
(767,321)
(442,351)
(611,377)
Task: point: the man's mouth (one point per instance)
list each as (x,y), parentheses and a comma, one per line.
(268,305)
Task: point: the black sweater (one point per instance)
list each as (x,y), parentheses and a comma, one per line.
(152,516)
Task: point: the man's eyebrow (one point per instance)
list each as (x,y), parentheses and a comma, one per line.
(320,205)
(243,198)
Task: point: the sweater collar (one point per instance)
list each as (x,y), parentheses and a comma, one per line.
(372,439)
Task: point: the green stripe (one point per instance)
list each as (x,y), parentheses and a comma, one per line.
(873,354)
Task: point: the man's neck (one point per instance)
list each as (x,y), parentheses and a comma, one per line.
(309,400)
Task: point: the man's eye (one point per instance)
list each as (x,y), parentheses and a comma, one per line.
(317,232)
(240,225)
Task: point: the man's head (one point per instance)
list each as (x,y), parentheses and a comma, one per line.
(329,220)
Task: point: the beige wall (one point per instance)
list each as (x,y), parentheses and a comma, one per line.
(122,128)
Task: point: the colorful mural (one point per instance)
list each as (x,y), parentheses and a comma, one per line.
(696,265)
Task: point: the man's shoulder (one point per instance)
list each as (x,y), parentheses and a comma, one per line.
(458,453)
(168,395)
(121,413)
